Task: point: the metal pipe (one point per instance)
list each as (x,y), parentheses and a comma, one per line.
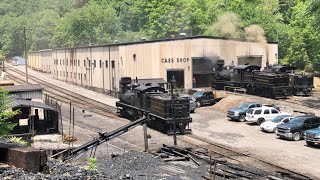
(109,69)
(25,52)
(91,66)
(102,75)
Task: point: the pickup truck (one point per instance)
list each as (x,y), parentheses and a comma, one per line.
(204,97)
(312,136)
(240,112)
(297,126)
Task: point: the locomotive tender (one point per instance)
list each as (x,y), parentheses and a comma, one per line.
(136,100)
(275,82)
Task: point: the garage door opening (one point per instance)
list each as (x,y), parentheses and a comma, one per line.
(202,72)
(178,75)
(250,60)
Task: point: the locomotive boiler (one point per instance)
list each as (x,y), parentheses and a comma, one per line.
(153,101)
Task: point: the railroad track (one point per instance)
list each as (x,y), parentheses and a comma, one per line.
(64,95)
(97,107)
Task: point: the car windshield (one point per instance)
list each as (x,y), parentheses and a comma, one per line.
(278,119)
(244,106)
(197,94)
(297,120)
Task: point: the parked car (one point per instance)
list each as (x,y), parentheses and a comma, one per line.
(204,97)
(240,112)
(295,128)
(262,114)
(312,136)
(192,100)
(271,126)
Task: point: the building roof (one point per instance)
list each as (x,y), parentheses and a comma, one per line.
(24,88)
(18,103)
(157,40)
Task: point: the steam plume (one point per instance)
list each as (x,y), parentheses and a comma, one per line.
(228,25)
(257,34)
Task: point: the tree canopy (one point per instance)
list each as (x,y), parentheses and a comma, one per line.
(5,113)
(59,23)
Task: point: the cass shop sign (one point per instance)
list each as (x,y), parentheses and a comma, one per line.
(174,60)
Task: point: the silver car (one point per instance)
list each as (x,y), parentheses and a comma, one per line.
(193,103)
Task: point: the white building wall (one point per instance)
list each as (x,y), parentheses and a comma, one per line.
(143,59)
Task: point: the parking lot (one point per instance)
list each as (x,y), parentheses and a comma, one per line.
(211,123)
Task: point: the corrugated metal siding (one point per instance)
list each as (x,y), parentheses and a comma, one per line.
(28,95)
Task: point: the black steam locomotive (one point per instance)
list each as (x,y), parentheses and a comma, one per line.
(275,82)
(136,100)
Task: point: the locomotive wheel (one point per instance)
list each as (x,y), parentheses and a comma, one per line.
(260,120)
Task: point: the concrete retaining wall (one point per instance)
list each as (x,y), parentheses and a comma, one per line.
(29,159)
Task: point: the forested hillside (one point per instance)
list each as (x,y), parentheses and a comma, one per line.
(66,23)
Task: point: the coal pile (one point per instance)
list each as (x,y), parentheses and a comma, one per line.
(58,170)
(131,165)
(138,165)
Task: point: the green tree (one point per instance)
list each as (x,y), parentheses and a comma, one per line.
(5,113)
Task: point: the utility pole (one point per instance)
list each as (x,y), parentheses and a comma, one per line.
(173,81)
(25,52)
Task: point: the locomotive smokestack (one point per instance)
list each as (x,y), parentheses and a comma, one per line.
(136,79)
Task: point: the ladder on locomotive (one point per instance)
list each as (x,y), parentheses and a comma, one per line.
(103,137)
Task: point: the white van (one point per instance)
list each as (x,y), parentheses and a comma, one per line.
(262,114)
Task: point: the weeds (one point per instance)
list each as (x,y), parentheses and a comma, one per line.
(18,140)
(92,164)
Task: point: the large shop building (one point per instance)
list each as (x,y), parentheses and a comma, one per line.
(189,59)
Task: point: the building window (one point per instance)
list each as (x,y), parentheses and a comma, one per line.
(106,64)
(134,57)
(60,61)
(78,62)
(89,63)
(94,63)
(79,75)
(75,75)
(85,77)
(100,63)
(84,63)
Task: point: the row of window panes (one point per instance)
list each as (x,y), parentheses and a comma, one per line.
(43,66)
(75,75)
(73,62)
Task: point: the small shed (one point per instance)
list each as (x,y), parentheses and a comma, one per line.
(25,91)
(33,122)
